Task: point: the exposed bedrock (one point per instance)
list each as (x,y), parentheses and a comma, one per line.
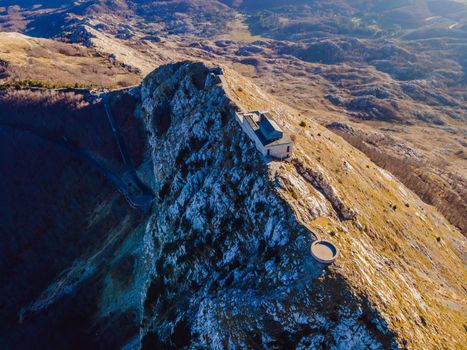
(219,261)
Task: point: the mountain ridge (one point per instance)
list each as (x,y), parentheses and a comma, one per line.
(229,228)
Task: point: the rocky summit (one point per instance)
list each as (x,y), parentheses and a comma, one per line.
(192,239)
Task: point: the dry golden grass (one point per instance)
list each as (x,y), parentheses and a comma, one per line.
(59,63)
(399,252)
(238,31)
(445,193)
(440,150)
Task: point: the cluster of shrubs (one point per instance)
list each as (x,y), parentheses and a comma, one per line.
(25,84)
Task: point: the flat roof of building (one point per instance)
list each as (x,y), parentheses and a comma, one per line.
(282,141)
(272,123)
(273,126)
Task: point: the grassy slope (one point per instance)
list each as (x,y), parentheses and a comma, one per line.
(399,252)
(59,63)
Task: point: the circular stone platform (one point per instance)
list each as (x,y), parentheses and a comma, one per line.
(323,251)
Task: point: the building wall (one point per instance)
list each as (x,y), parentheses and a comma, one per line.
(246,127)
(280,151)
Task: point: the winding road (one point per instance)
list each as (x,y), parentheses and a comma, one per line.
(135,191)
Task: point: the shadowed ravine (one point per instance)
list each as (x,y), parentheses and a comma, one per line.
(127,181)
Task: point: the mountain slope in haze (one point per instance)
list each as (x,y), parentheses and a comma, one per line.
(221,259)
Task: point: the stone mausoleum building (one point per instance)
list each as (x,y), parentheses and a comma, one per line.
(267,135)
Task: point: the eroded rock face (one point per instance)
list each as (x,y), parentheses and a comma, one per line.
(320,182)
(219,261)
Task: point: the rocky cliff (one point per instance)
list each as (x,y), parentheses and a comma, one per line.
(221,259)
(232,263)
